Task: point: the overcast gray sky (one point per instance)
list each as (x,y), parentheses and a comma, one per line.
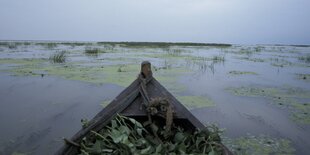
(219,21)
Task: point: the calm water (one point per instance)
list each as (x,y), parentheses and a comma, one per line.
(37,110)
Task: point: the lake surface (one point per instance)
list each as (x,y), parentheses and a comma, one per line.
(260,94)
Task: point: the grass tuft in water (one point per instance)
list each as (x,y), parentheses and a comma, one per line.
(93,51)
(242,73)
(305,77)
(59,57)
(305,59)
(218,58)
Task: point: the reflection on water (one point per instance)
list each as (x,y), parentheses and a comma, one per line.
(36,111)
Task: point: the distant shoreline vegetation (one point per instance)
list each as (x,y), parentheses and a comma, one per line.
(127,44)
(133,44)
(165,44)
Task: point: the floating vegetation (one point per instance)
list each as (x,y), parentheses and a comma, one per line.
(305,77)
(58,57)
(23,67)
(242,73)
(96,74)
(247,51)
(301,114)
(280,62)
(27,62)
(252,59)
(193,102)
(126,135)
(121,75)
(287,97)
(259,145)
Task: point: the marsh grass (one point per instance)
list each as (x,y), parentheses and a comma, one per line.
(109,47)
(48,45)
(173,52)
(218,58)
(93,51)
(58,57)
(76,43)
(305,77)
(305,59)
(250,50)
(12,46)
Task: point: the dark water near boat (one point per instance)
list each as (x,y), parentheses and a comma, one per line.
(36,113)
(40,107)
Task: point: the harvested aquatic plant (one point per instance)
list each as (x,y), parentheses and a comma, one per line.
(126,135)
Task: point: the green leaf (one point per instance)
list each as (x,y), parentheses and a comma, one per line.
(114,124)
(133,121)
(139,131)
(179,136)
(146,150)
(124,130)
(159,149)
(116,136)
(198,140)
(96,147)
(171,147)
(212,152)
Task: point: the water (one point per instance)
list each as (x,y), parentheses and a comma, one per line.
(36,113)
(40,103)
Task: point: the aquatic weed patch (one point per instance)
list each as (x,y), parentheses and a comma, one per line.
(168,77)
(121,75)
(286,97)
(305,59)
(23,67)
(252,59)
(234,72)
(304,77)
(193,102)
(94,74)
(259,145)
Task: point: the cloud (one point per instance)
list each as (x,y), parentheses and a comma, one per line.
(231,21)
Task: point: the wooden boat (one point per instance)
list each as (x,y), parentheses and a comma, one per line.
(130,102)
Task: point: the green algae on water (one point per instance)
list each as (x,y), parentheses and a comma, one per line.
(193,102)
(234,72)
(284,97)
(304,77)
(259,145)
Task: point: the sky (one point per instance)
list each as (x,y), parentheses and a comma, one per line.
(206,21)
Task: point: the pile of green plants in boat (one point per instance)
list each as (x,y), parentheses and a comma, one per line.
(126,136)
